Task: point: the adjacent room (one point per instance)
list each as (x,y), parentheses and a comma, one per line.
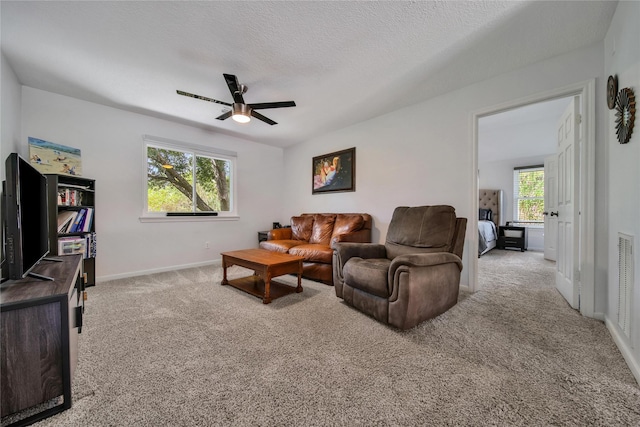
(319,213)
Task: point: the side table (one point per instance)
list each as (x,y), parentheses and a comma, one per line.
(513,237)
(262,236)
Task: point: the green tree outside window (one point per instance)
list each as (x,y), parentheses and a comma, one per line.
(173,186)
(529,194)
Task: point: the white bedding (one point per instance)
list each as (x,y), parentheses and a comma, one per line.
(487,236)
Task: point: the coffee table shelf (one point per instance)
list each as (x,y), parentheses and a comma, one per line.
(254,285)
(266,265)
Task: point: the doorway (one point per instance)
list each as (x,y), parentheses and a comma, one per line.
(585,183)
(513,147)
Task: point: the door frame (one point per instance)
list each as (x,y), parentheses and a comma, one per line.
(550,228)
(585,271)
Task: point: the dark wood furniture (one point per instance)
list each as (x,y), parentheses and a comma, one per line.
(41,320)
(263,236)
(84,189)
(266,265)
(513,237)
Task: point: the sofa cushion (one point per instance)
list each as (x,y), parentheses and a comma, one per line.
(368,275)
(281,246)
(347,224)
(301,227)
(322,229)
(313,252)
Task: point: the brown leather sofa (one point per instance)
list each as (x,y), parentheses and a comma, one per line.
(313,236)
(414,276)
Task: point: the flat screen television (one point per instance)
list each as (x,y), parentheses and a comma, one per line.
(26,217)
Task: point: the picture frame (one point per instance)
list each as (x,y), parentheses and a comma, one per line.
(49,157)
(334,172)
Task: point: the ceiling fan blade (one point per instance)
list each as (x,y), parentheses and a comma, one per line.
(265,105)
(234,88)
(263,118)
(204,98)
(225,115)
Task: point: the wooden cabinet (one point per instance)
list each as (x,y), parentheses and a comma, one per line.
(73,194)
(512,237)
(263,236)
(41,320)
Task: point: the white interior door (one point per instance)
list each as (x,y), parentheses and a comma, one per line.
(567,213)
(550,205)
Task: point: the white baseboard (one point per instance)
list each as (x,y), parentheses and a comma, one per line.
(634,364)
(100,279)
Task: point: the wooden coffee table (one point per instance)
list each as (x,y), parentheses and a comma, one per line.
(266,265)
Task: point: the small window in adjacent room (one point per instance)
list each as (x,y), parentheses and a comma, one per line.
(528,195)
(184,180)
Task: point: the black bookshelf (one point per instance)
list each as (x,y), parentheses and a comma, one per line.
(80,194)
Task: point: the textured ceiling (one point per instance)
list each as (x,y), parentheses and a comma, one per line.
(341,62)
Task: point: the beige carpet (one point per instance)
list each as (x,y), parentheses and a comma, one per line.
(178,349)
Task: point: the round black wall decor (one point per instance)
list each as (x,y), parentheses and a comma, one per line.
(625,114)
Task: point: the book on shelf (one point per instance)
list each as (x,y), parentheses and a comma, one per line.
(90,245)
(64,219)
(69,197)
(88,219)
(76,223)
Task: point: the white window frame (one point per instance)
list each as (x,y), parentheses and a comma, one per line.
(516,192)
(196,150)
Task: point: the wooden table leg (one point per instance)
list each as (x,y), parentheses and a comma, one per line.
(267,288)
(224,272)
(299,288)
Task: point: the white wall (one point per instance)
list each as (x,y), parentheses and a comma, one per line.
(423,154)
(10,90)
(9,122)
(622,58)
(110,141)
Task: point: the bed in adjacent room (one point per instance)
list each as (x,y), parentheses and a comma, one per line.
(489,215)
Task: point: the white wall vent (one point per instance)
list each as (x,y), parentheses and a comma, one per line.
(625,281)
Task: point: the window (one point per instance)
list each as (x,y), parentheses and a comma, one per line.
(186,180)
(528,194)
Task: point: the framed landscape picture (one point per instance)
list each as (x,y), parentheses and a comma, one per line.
(49,157)
(334,172)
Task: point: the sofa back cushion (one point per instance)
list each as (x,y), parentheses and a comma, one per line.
(347,224)
(322,229)
(301,227)
(423,226)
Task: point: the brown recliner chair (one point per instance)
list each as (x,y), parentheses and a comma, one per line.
(414,276)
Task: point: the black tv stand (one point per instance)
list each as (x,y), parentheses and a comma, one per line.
(39,327)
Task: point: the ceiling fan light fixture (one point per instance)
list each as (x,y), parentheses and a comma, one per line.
(241,113)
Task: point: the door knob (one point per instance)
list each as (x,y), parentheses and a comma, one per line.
(554,213)
(545,213)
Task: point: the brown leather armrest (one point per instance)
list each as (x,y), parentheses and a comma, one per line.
(279,234)
(360,236)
